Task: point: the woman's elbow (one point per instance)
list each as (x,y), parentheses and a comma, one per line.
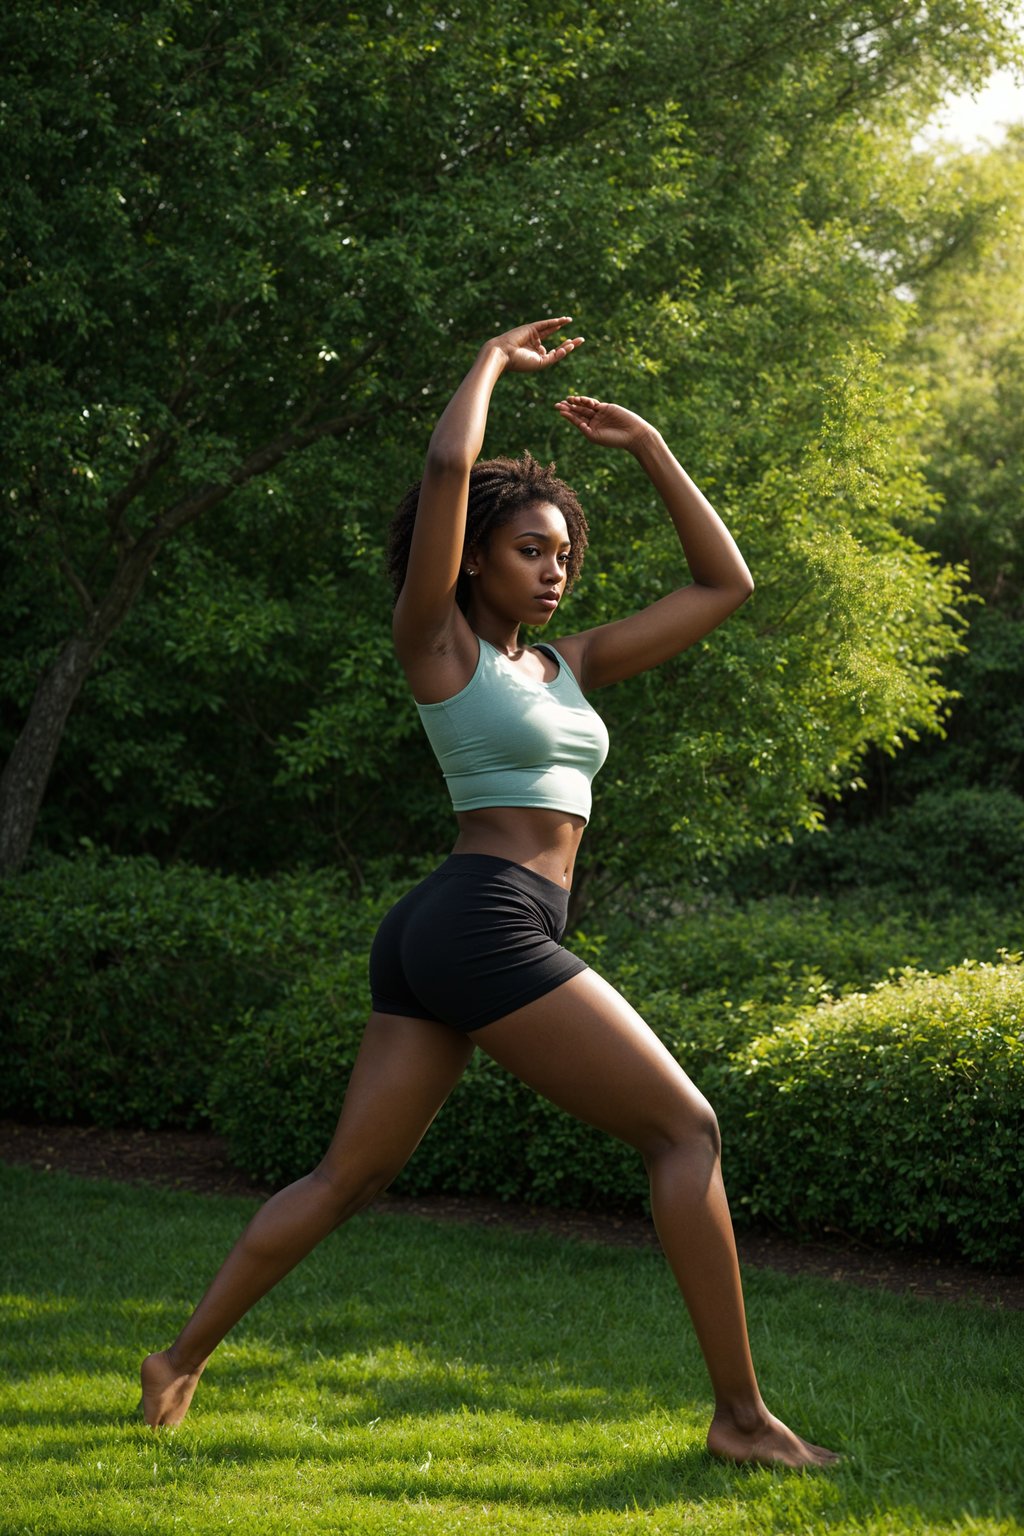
(740,589)
(447,459)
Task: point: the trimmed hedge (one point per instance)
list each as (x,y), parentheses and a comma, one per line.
(148,996)
(124,983)
(277,1090)
(961,839)
(797,949)
(121,980)
(895,1115)
(278,1085)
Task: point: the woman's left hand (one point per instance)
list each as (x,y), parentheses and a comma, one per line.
(610,426)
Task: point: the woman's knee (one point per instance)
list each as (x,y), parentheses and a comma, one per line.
(349,1189)
(688,1124)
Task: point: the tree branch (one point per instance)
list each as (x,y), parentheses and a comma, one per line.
(773,629)
(77,585)
(67,570)
(258,463)
(161,449)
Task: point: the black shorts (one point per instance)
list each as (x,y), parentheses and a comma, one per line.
(475,940)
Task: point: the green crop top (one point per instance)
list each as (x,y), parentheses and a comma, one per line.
(506,739)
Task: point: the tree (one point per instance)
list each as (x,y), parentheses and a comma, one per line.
(966,350)
(948,810)
(235,238)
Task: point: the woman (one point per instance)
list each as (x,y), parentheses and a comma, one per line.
(472,957)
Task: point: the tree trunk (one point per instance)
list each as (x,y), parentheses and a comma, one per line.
(27,772)
(28,769)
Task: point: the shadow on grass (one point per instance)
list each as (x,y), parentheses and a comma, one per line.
(410,1324)
(572,1480)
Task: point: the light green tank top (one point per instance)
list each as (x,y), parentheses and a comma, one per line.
(506,739)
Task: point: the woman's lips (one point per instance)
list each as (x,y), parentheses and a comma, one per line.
(548,599)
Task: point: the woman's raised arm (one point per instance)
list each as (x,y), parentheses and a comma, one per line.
(425,610)
(721,580)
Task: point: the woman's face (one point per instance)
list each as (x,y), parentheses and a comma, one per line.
(521,575)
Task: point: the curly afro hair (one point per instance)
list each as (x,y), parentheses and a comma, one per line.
(498,489)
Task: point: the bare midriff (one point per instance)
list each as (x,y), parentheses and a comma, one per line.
(542,840)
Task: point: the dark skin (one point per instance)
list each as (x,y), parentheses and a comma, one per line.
(525,558)
(581,1045)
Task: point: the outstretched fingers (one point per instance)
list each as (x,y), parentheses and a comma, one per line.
(581,410)
(545,328)
(562,350)
(524,347)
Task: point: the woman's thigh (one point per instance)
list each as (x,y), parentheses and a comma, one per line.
(404,1071)
(584,1047)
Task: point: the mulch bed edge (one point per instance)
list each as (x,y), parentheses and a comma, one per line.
(197,1161)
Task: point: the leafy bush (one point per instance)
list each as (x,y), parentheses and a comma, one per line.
(793,950)
(278,1084)
(148,996)
(895,1115)
(965,839)
(121,980)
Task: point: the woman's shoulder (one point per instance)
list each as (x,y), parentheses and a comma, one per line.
(570,649)
(442,664)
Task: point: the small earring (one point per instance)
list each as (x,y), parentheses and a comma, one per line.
(470,571)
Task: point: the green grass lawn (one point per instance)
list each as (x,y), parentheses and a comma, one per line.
(413,1376)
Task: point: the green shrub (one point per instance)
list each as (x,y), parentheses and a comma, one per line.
(793,950)
(147,996)
(966,839)
(895,1115)
(280,1078)
(278,1087)
(277,1090)
(121,979)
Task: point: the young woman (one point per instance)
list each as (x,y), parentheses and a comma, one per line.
(472,956)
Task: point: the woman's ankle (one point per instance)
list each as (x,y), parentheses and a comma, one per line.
(182,1362)
(746,1413)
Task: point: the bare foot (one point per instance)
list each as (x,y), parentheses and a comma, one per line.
(767,1441)
(166,1390)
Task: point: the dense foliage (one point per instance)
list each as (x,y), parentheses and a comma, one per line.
(950,810)
(121,980)
(248,251)
(246,254)
(892,1115)
(146,997)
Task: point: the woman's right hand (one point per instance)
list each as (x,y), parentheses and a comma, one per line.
(524,348)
